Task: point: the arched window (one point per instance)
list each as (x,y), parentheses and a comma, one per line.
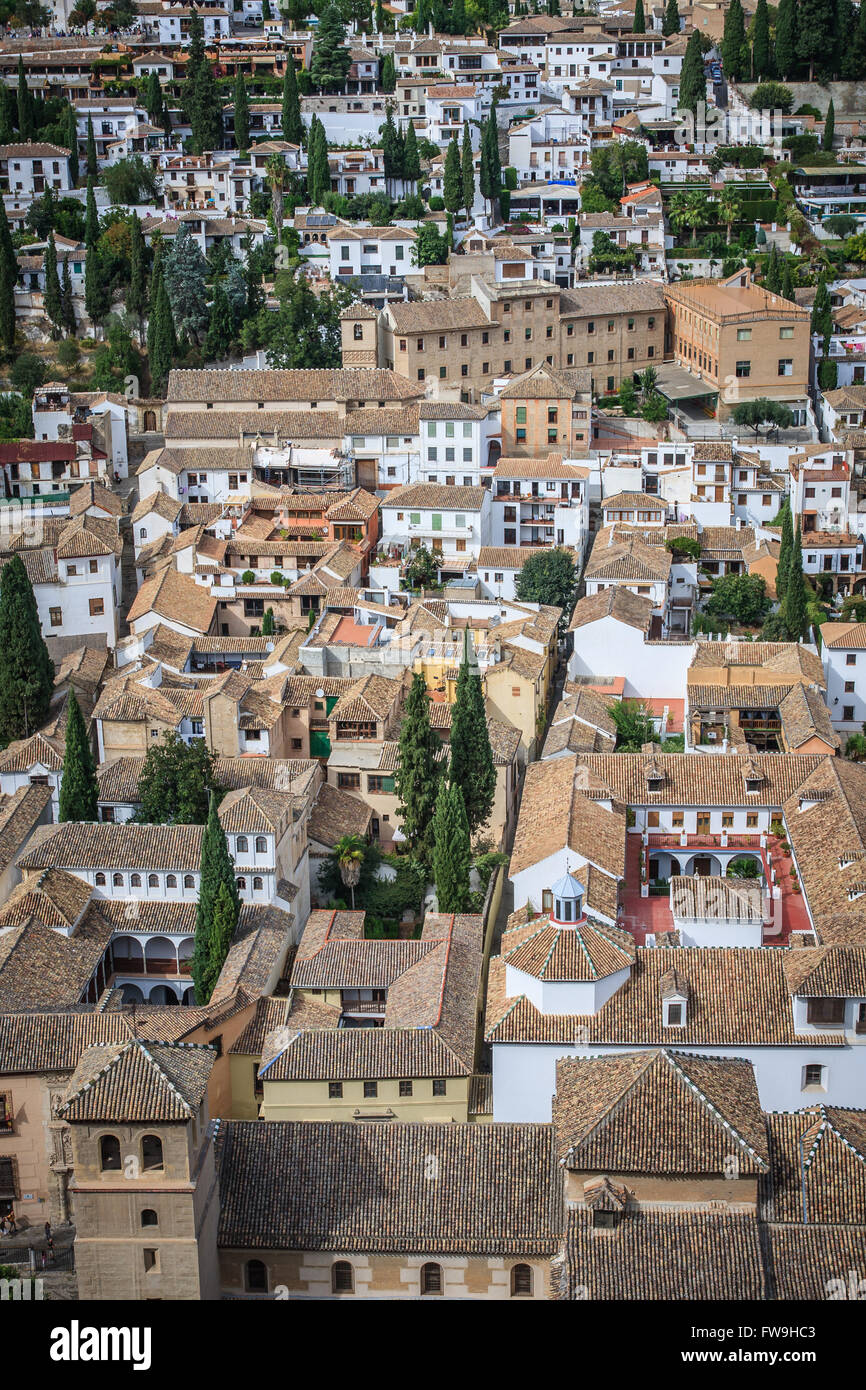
(149,1217)
(142,533)
(241,845)
(431,1278)
(188,881)
(135,880)
(255,1277)
(242,885)
(261,845)
(258,884)
(109,1153)
(171,881)
(342,1277)
(358,332)
(153,880)
(100,880)
(151,1151)
(117,880)
(521,1281)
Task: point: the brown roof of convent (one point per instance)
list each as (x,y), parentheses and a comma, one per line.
(151,1082)
(295,384)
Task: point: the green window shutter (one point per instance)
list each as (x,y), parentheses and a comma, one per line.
(437,521)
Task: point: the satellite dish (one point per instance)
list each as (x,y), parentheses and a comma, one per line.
(320,694)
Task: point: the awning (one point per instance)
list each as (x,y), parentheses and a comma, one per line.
(676,384)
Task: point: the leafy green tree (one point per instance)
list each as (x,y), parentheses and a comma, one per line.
(762,51)
(91,161)
(671,22)
(52,297)
(854,49)
(28,372)
(627,396)
(26,669)
(785,547)
(242,113)
(734,40)
(693,83)
(217,872)
(634,725)
(740,597)
(768,96)
(331,60)
(829,127)
(292,124)
(796,598)
(431,248)
(175,783)
(471,766)
(758,412)
(305,330)
(549,577)
(419,765)
(639,25)
(184,275)
(79,789)
(467,172)
(268,625)
(452,185)
(654,408)
(452,852)
(72,142)
(786,37)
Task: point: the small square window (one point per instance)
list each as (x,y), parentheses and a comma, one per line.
(335,1090)
(371,1090)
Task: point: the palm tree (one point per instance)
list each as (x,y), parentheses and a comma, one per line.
(696,212)
(855,748)
(349,853)
(728,208)
(275,170)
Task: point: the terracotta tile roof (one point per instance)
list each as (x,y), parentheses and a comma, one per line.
(698,781)
(20,814)
(617,602)
(109,845)
(619,554)
(818,1163)
(175,597)
(257,954)
(371,697)
(556,814)
(633,501)
(41,1042)
(844,635)
(54,898)
(736,997)
(336,814)
(326,425)
(705,898)
(498,1192)
(583,952)
(42,969)
(663,1256)
(94,494)
(826,825)
(659,1112)
(300,384)
(427,495)
(154,1082)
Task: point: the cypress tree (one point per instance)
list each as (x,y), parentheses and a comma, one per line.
(293,126)
(411,158)
(828,374)
(95,297)
(452,853)
(6,122)
(200,93)
(467,172)
(794,604)
(25,104)
(52,297)
(92,164)
(26,669)
(854,55)
(829,127)
(815,33)
(416,778)
(136,299)
(671,22)
(79,790)
(787,288)
(153,99)
(217,872)
(773,271)
(762,64)
(7,250)
(72,142)
(67,304)
(389,73)
(693,83)
(452,184)
(471,767)
(242,114)
(493,152)
(221,327)
(822,313)
(160,338)
(785,52)
(7,305)
(639,25)
(224,921)
(268,626)
(733,39)
(785,548)
(91,221)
